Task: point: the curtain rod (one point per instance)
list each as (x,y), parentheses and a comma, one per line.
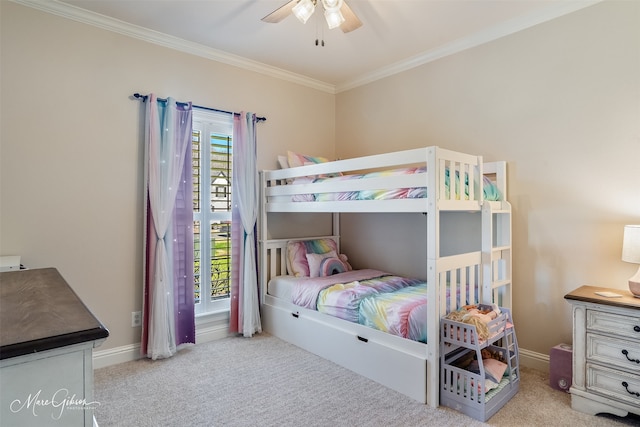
(144,98)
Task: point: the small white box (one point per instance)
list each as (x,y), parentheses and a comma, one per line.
(9,263)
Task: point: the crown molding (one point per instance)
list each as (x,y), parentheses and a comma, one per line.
(479,38)
(81,15)
(111,24)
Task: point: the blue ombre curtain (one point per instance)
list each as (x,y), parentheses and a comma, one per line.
(245,302)
(168,299)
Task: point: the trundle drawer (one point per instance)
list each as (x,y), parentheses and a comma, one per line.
(391,366)
(614,384)
(614,352)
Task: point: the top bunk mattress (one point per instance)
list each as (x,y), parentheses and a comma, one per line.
(489,188)
(392,182)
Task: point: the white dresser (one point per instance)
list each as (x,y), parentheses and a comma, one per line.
(47,336)
(606,352)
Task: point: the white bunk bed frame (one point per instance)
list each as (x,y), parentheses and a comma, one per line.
(410,367)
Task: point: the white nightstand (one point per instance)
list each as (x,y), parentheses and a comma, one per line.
(606,351)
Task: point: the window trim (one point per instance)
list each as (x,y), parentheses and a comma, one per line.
(209,123)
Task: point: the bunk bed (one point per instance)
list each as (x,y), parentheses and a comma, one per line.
(431,181)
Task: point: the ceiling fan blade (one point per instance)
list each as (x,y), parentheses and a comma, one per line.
(351,21)
(280,13)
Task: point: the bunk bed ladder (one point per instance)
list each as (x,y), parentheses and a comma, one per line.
(510,345)
(496,253)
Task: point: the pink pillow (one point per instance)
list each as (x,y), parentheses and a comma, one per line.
(494,369)
(295,159)
(297,250)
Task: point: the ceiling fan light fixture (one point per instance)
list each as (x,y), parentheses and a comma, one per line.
(334,18)
(336,12)
(303,10)
(332,13)
(330,4)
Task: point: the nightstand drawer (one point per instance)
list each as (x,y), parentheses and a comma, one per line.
(621,325)
(613,352)
(614,384)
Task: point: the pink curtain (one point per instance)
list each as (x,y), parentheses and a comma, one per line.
(168,299)
(245,306)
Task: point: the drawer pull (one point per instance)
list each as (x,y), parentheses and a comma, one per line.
(296,315)
(636,328)
(626,386)
(362,338)
(626,354)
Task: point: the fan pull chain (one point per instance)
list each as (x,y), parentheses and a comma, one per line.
(319,41)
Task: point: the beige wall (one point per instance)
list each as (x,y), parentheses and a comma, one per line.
(71,171)
(560,102)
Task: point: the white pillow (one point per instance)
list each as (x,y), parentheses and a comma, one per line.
(283,162)
(314,261)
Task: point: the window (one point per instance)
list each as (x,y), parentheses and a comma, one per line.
(212,162)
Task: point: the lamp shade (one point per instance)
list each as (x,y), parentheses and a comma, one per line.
(631,244)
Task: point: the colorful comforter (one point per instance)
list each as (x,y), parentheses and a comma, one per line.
(402,313)
(490,190)
(340,295)
(373,298)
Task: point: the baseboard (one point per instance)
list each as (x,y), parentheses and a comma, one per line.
(534,360)
(112,356)
(127,353)
(211,333)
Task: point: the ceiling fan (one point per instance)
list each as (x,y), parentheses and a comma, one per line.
(336,13)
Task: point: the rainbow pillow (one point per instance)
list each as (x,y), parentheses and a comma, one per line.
(314,261)
(330,266)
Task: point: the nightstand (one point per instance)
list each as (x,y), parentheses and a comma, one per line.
(606,351)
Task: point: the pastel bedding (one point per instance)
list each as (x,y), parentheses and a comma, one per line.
(373,298)
(490,190)
(402,313)
(343,300)
(339,295)
(386,302)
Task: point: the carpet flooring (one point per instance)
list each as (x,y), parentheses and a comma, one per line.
(264,381)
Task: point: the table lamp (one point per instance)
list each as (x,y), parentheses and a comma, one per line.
(631,253)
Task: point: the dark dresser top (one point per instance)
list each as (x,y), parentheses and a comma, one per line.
(588,294)
(39,311)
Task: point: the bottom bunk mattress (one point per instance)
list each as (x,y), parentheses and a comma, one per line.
(373,298)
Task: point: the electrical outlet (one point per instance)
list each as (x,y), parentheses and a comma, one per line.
(136,318)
